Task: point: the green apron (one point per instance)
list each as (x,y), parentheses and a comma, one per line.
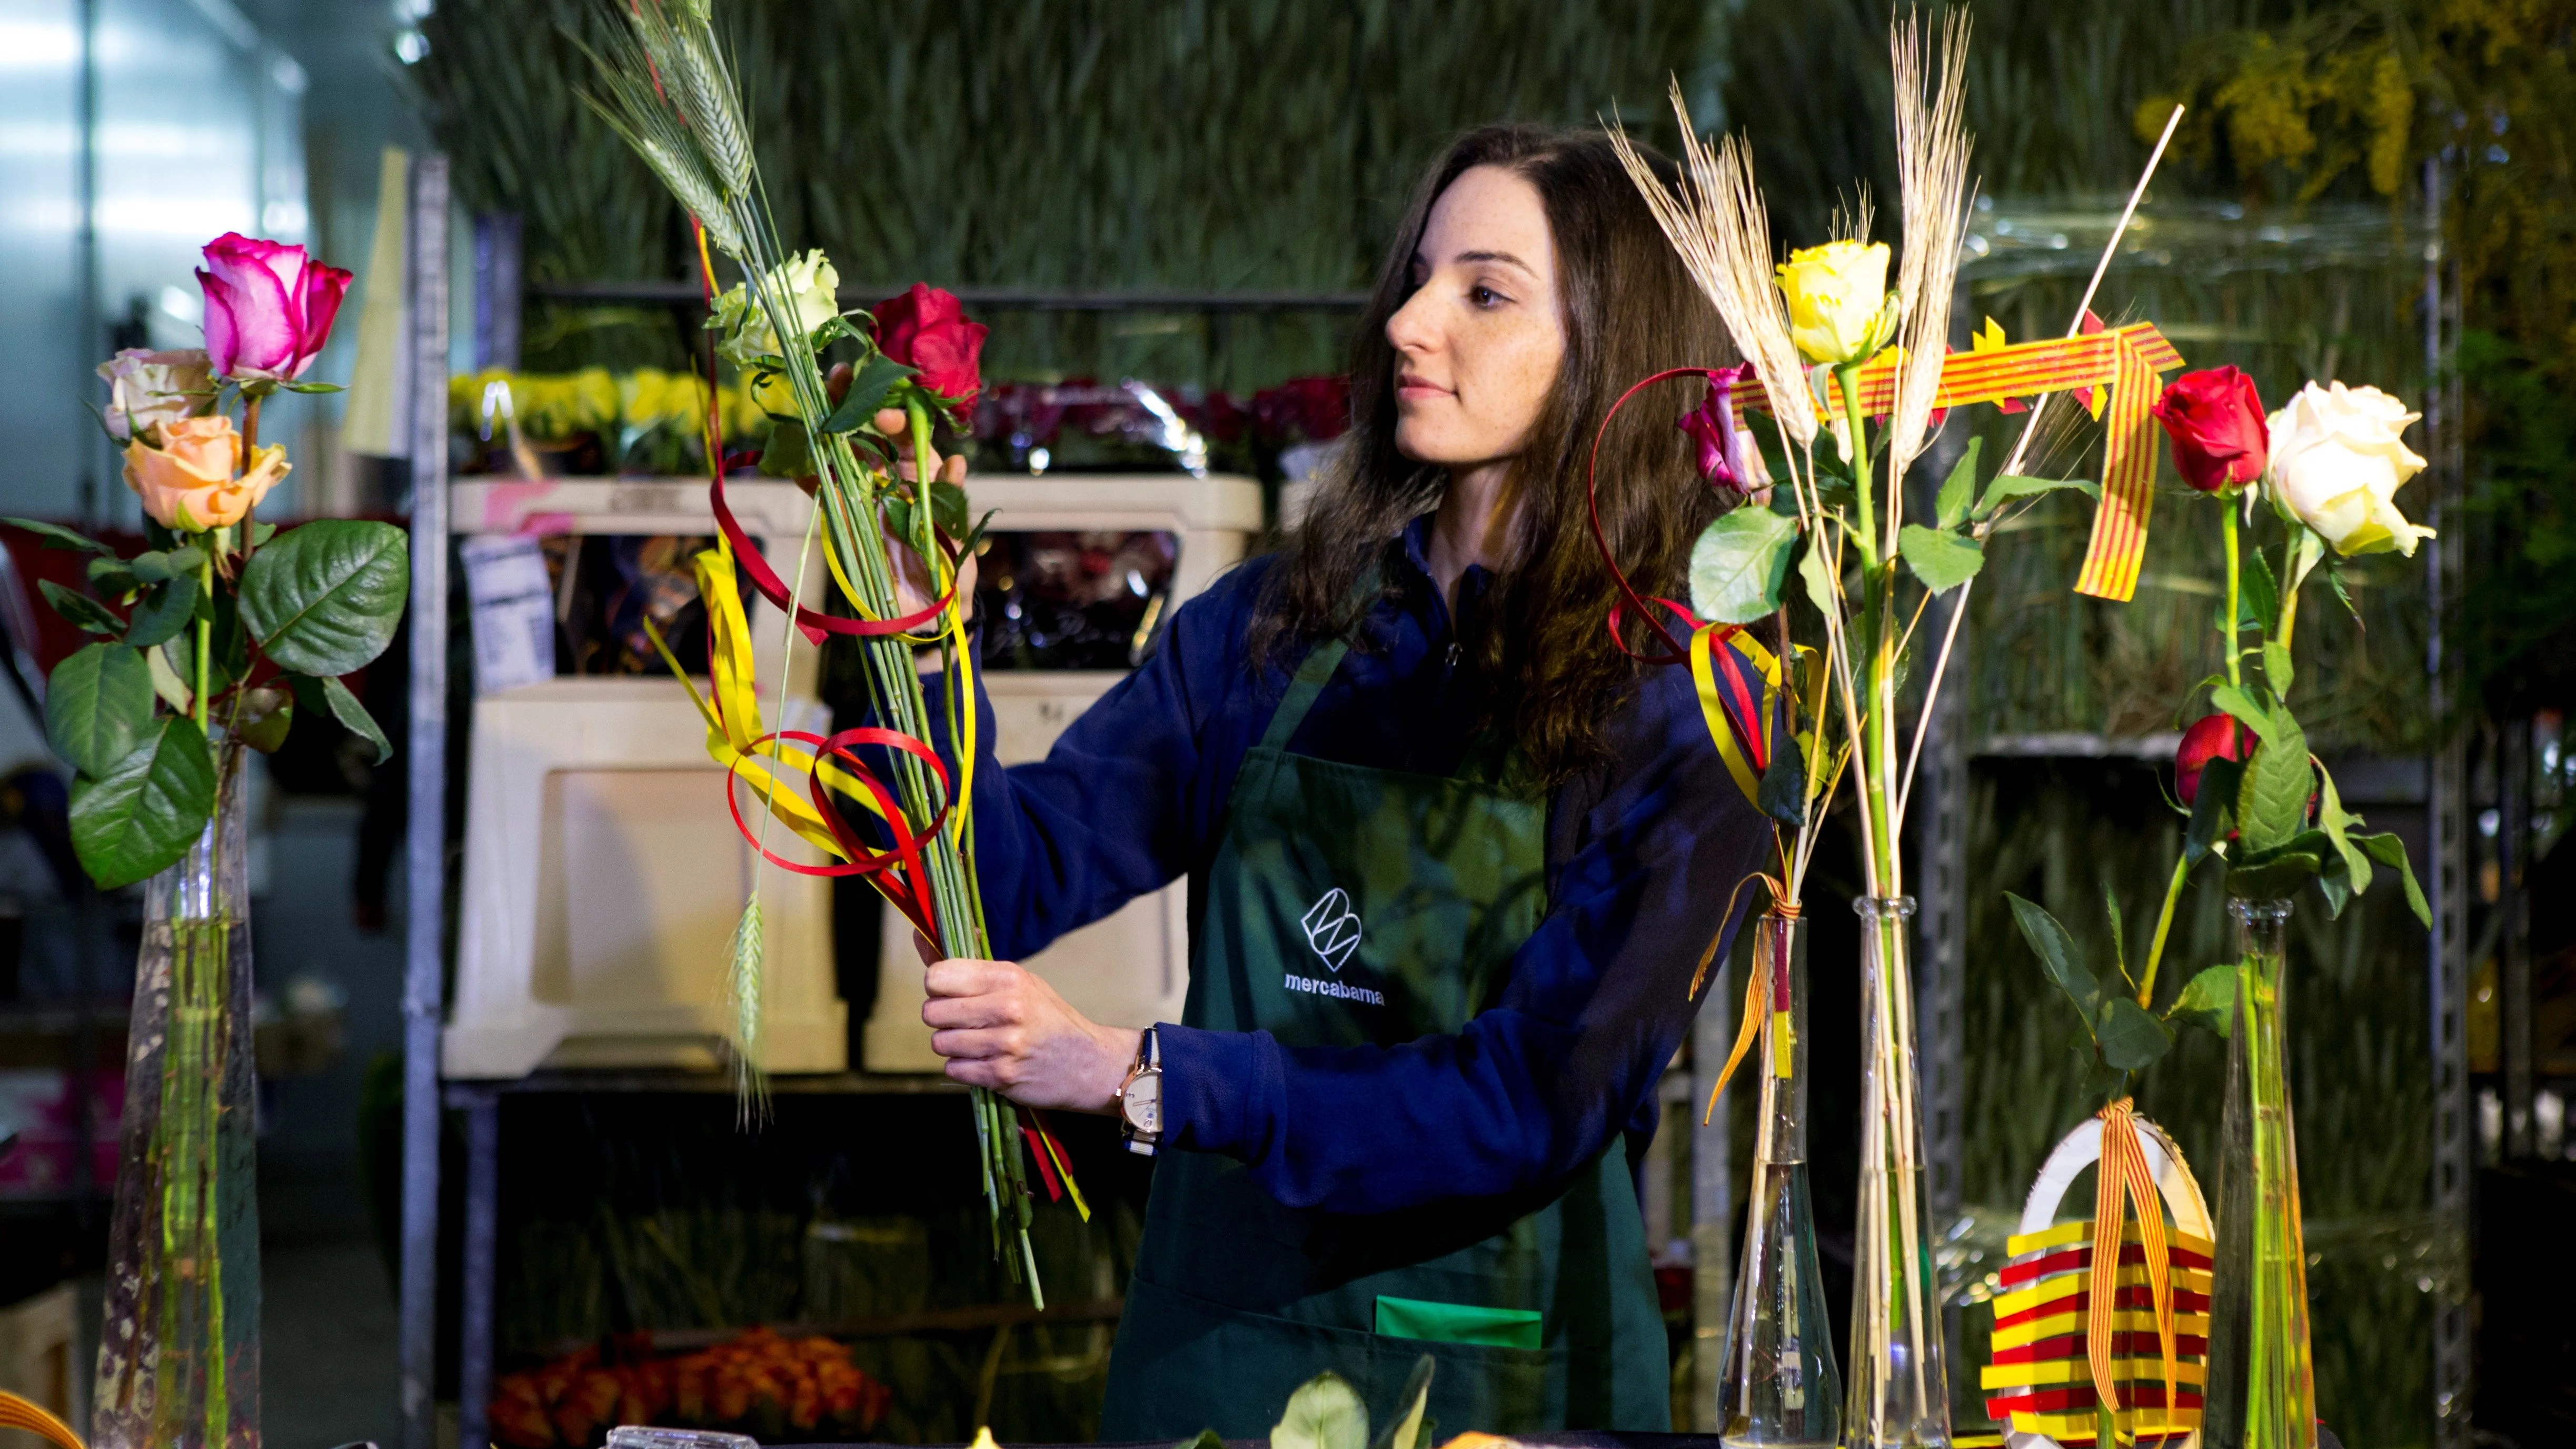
(1349,906)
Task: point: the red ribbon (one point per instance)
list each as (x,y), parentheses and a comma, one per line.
(1592,497)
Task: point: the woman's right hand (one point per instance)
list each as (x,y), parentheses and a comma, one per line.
(913,590)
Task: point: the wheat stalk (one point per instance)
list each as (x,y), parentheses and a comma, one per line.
(1933,189)
(1716,221)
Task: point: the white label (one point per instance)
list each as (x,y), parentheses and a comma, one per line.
(514,611)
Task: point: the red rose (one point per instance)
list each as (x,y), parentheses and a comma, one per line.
(926,329)
(2215,418)
(2214,737)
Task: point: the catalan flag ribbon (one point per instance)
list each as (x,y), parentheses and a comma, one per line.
(2126,360)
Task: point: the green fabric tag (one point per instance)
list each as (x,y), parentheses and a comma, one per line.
(1458,1323)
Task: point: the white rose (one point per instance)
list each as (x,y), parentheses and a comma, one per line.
(2337,462)
(809,285)
(148,389)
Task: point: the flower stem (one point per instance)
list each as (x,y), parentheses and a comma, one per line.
(1847,377)
(2289,593)
(2164,918)
(205,636)
(2227,512)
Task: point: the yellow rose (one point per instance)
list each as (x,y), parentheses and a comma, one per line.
(2337,460)
(1839,307)
(188,484)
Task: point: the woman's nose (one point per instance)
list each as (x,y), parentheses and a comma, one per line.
(1410,331)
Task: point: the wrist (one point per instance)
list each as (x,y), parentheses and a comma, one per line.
(1117,1054)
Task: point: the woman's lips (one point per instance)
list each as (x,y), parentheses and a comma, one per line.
(1413,387)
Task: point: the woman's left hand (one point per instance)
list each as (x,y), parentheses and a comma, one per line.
(1003,1027)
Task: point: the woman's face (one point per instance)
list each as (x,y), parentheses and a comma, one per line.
(1478,343)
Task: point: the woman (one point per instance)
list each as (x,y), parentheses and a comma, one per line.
(1453,858)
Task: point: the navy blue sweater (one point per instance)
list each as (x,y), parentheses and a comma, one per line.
(1644,858)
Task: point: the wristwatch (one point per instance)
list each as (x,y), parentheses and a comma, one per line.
(1140,1097)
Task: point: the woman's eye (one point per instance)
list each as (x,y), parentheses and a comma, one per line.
(1484,296)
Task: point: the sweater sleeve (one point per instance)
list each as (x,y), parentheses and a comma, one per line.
(1117,807)
(1648,860)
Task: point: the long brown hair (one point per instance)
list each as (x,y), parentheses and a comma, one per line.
(1629,310)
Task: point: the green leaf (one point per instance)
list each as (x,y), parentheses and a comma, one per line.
(1739,564)
(2213,807)
(2272,803)
(789,453)
(2309,549)
(162,612)
(1940,559)
(98,707)
(876,377)
(111,577)
(2056,951)
(2208,1000)
(81,610)
(311,387)
(2130,1038)
(1405,1432)
(2390,851)
(2258,599)
(174,691)
(158,567)
(1324,1413)
(2338,825)
(325,597)
(1783,790)
(2334,580)
(267,713)
(261,533)
(2278,672)
(1813,572)
(182,654)
(2249,712)
(1959,490)
(2010,485)
(57,536)
(141,817)
(1207,1439)
(348,710)
(2275,878)
(2119,943)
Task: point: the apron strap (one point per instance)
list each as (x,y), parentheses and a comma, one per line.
(1302,692)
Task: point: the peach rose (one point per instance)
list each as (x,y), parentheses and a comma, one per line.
(188,483)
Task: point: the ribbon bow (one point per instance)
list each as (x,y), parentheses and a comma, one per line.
(2123,1175)
(18,1413)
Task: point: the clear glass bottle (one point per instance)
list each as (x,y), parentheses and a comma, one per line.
(1780,1389)
(178,1361)
(2261,1381)
(1898,1395)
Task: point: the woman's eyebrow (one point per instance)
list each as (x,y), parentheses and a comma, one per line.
(1506,258)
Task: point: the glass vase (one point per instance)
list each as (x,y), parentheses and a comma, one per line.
(1898,1395)
(178,1360)
(1780,1389)
(2261,1392)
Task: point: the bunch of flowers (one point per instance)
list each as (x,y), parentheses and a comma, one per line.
(758,1380)
(220,631)
(884,511)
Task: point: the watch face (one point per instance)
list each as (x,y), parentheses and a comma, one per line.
(1143,1104)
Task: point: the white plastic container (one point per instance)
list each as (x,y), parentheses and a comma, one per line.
(1132,968)
(603,872)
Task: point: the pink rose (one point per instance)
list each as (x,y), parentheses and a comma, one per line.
(268,307)
(1726,455)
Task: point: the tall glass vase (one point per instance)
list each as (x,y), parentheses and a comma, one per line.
(1898,1395)
(2261,1392)
(178,1360)
(1780,1389)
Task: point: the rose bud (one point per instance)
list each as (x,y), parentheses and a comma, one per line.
(926,329)
(2215,419)
(1725,455)
(2213,737)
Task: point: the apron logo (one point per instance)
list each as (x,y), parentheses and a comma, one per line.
(1333,928)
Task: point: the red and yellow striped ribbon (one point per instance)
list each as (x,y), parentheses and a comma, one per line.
(2124,359)
(2123,1174)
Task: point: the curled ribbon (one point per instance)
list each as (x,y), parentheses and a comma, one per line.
(18,1413)
(2121,1178)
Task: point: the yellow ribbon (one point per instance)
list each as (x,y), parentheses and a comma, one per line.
(2123,1175)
